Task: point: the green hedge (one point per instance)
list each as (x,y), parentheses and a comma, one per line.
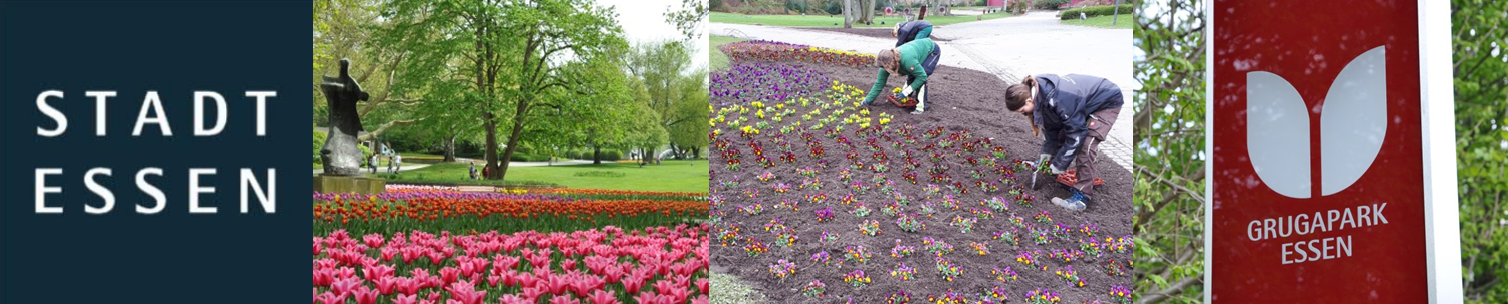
(1049,4)
(1103,10)
(525,157)
(586,154)
(319,141)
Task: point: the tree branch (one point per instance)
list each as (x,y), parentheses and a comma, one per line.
(383,128)
(1176,288)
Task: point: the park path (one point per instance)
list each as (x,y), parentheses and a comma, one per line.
(408,167)
(1009,48)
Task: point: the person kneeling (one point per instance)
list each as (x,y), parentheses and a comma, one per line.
(916,60)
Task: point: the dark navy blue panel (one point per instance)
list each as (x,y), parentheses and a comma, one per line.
(174,48)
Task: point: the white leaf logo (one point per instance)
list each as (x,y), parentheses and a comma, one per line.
(1353,122)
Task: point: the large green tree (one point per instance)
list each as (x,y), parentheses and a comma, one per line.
(677,94)
(514,55)
(343,30)
(1169,137)
(687,138)
(1481,88)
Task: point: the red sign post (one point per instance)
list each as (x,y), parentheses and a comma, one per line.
(1317,181)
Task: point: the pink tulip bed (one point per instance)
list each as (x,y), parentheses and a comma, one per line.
(818,198)
(471,265)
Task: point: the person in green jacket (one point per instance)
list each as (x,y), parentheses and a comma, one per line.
(916,60)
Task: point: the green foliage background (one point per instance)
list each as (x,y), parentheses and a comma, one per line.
(1169,139)
(1481,89)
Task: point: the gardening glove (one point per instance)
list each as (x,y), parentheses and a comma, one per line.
(1056,170)
(867,101)
(906,90)
(1042,160)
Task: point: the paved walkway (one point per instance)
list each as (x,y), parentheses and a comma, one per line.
(409,167)
(1008,48)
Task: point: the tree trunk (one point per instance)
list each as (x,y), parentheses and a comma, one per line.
(450,149)
(518,132)
(596,155)
(848,13)
(866,11)
(490,153)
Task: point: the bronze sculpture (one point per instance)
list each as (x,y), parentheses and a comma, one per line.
(340,154)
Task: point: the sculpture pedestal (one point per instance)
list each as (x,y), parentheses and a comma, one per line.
(348,184)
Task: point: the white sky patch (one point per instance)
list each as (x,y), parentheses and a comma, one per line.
(643,21)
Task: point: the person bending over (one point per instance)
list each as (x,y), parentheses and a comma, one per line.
(1076,112)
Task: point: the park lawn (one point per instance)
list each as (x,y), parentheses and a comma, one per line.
(824,20)
(718,60)
(673,175)
(1104,21)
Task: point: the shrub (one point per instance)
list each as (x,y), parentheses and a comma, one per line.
(319,141)
(600,174)
(525,157)
(796,5)
(609,155)
(833,7)
(1104,10)
(1050,4)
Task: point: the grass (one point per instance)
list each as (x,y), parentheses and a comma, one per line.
(718,60)
(823,20)
(1104,21)
(681,176)
(731,291)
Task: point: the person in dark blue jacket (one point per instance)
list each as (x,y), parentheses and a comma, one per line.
(1076,112)
(906,31)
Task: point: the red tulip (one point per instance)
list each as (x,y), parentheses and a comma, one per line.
(563,299)
(330,298)
(364,295)
(603,297)
(466,292)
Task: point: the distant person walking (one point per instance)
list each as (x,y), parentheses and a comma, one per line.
(397,163)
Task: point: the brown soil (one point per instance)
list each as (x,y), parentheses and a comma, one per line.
(882,33)
(962,101)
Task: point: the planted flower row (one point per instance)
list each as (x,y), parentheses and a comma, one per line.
(781,51)
(608,265)
(397,211)
(743,83)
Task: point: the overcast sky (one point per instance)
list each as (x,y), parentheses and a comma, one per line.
(644,21)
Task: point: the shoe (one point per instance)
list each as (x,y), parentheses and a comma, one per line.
(1077,202)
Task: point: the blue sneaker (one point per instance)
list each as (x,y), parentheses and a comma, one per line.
(1077,202)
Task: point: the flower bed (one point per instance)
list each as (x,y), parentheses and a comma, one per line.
(608,265)
(744,83)
(930,207)
(753,50)
(432,210)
